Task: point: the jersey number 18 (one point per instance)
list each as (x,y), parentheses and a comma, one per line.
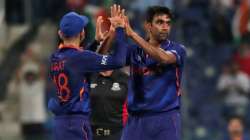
(61,81)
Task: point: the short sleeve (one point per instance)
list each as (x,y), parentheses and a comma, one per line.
(180,53)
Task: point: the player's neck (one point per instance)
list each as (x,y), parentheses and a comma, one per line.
(154,42)
(74,43)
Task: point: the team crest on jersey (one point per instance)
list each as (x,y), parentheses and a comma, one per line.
(116,87)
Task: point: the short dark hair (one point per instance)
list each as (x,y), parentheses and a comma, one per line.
(157,10)
(236,117)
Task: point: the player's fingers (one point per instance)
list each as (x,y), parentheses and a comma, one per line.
(123,13)
(112,11)
(119,9)
(115,10)
(99,18)
(99,24)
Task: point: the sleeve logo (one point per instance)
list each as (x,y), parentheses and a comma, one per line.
(104,60)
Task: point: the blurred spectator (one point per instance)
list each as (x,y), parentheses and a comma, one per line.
(242,56)
(142,5)
(223,6)
(14,11)
(77,5)
(234,86)
(221,29)
(221,17)
(241,20)
(236,129)
(2,12)
(31,89)
(108,96)
(55,9)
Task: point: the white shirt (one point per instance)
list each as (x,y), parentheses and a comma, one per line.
(233,97)
(32,105)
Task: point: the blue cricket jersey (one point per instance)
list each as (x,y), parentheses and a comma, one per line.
(69,70)
(154,87)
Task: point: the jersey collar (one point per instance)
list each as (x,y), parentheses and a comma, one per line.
(165,44)
(62,46)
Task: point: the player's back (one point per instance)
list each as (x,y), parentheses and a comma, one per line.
(70,81)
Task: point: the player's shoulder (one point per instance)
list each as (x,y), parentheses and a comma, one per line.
(87,52)
(84,55)
(178,45)
(55,56)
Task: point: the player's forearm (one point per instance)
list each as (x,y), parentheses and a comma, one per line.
(155,52)
(119,55)
(106,45)
(96,62)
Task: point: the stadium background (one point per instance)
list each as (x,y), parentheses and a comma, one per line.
(211,30)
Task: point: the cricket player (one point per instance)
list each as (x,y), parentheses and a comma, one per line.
(70,67)
(156,68)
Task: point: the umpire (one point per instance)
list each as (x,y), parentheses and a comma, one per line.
(108,100)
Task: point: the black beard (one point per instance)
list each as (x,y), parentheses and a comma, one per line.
(162,39)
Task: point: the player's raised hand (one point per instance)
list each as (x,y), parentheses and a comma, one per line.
(116,18)
(115,10)
(100,35)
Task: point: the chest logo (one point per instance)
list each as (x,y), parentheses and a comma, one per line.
(116,87)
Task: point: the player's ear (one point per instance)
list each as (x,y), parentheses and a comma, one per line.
(147,26)
(82,35)
(60,34)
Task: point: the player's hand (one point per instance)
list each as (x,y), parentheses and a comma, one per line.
(100,35)
(117,22)
(113,13)
(116,18)
(114,10)
(129,30)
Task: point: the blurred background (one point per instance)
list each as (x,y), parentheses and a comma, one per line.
(216,83)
